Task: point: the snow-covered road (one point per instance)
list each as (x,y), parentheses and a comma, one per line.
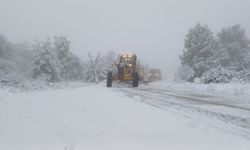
(94,117)
(233,111)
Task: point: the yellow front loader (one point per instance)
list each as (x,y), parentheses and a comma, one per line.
(126,70)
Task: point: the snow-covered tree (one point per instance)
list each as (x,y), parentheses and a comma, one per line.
(95,70)
(71,65)
(49,61)
(45,64)
(244,75)
(200,45)
(8,73)
(218,75)
(234,50)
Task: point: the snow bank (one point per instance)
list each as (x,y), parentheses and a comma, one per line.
(97,118)
(31,86)
(239,90)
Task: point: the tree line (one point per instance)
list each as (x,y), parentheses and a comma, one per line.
(215,59)
(49,61)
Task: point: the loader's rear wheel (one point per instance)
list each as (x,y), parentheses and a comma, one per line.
(109,79)
(135,81)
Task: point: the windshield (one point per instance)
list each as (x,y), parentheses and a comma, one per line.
(127,60)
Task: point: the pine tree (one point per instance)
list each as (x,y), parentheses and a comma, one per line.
(234,48)
(200,46)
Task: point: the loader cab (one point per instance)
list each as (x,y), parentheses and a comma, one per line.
(127,59)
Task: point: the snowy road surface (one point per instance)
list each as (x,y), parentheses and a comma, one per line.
(97,118)
(232,111)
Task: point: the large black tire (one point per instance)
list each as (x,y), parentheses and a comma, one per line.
(135,81)
(109,79)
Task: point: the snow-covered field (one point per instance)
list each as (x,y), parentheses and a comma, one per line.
(93,117)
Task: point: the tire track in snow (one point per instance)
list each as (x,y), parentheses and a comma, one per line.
(166,100)
(196,99)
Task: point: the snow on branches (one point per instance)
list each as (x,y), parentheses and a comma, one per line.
(97,67)
(200,45)
(54,62)
(217,59)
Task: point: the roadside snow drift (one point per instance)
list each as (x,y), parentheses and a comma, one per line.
(97,118)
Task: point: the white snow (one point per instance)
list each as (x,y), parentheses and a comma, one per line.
(98,118)
(241,90)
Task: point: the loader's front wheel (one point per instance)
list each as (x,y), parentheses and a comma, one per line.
(135,81)
(109,79)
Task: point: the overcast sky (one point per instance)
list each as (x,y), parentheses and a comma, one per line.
(154,29)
